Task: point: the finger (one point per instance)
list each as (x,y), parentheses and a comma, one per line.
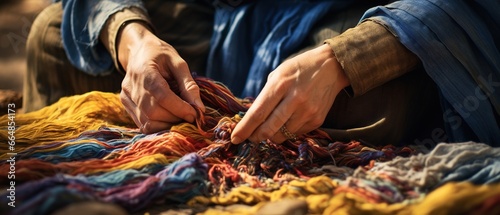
(283,114)
(155,112)
(297,124)
(280,136)
(189,90)
(130,108)
(257,114)
(158,87)
(145,125)
(153,126)
(147,105)
(277,118)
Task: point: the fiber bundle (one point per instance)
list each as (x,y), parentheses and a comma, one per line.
(86,148)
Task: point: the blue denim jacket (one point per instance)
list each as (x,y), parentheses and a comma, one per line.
(81,26)
(458,44)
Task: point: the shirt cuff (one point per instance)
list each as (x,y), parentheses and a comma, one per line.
(371,56)
(116,22)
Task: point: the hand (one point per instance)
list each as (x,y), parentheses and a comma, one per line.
(150,65)
(298,95)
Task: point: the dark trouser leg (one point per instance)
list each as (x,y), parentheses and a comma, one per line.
(399,112)
(50,75)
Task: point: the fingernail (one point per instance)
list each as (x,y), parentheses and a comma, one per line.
(235,140)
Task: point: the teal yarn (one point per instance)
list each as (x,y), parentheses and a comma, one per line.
(92,144)
(131,189)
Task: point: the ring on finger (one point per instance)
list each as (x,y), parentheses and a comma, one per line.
(289,135)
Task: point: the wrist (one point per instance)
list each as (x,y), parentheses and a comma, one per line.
(329,61)
(131,36)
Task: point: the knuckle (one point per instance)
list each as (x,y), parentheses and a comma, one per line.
(265,134)
(191,87)
(164,96)
(300,98)
(167,46)
(316,122)
(126,84)
(123,96)
(280,116)
(281,86)
(258,117)
(149,82)
(180,64)
(312,110)
(271,75)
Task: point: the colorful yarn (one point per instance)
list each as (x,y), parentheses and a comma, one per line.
(65,120)
(374,195)
(133,190)
(474,162)
(89,153)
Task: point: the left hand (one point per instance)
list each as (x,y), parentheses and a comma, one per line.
(297,95)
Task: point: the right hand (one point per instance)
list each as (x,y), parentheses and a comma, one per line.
(150,65)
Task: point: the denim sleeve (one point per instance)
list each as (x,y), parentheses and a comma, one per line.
(457,43)
(82,22)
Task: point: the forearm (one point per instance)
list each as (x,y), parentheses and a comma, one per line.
(124,28)
(371,56)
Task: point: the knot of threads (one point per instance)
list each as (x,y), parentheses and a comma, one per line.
(223,130)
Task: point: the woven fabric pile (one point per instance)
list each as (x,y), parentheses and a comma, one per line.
(86,148)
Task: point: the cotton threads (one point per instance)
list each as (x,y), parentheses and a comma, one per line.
(66,119)
(97,154)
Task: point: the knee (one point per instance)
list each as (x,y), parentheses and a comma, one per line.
(38,36)
(40,56)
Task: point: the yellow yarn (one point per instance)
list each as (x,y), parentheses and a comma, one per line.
(138,164)
(233,210)
(71,116)
(443,200)
(318,193)
(65,119)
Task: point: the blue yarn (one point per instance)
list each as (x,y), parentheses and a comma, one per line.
(88,148)
(177,182)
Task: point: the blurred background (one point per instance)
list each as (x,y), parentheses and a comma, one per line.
(16,17)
